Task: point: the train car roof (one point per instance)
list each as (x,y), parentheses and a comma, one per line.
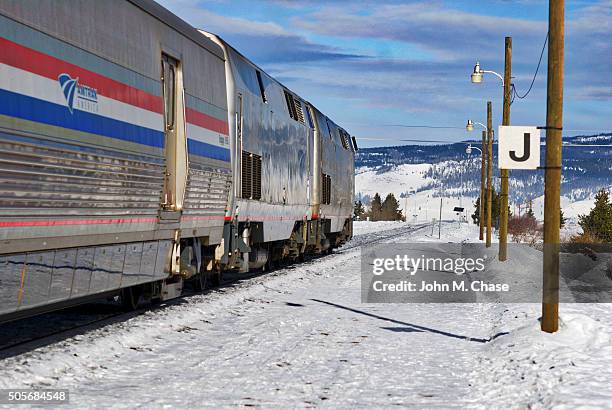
(229,46)
(167,17)
(245,58)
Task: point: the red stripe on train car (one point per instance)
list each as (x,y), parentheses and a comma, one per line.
(14,224)
(203,218)
(45,65)
(206,121)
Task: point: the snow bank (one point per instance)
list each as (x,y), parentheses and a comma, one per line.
(568,369)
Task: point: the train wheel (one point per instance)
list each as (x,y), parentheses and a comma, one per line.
(216,277)
(200,282)
(130,298)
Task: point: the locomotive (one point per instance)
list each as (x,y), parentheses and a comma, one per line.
(138,153)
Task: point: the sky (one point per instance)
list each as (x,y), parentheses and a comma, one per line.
(375,67)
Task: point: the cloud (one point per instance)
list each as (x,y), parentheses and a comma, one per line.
(264,42)
(334,53)
(448,34)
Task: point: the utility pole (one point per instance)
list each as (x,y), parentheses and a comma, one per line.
(552,176)
(489,169)
(503,212)
(415,206)
(440,221)
(483,151)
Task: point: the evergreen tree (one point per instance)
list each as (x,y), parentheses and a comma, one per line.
(358,210)
(390,209)
(562,219)
(598,222)
(530,213)
(495,208)
(376,208)
(476,214)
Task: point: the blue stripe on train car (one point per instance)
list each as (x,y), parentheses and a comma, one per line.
(207,150)
(34,109)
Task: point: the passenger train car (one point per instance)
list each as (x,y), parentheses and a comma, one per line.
(137,152)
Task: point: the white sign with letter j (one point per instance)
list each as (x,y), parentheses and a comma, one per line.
(518,147)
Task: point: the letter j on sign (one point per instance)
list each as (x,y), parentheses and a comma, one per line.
(518,147)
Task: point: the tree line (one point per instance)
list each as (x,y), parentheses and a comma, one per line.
(387,210)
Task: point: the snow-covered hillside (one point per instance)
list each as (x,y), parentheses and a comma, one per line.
(454,181)
(447,170)
(415,190)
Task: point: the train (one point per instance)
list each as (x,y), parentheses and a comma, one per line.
(139,154)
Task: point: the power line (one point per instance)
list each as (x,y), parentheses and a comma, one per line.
(444,141)
(404,125)
(515,93)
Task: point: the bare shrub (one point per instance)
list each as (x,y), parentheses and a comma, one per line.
(524,229)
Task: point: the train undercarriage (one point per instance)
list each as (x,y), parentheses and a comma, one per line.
(200,266)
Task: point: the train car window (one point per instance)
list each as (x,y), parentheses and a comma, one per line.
(169,65)
(329,129)
(356,148)
(261,87)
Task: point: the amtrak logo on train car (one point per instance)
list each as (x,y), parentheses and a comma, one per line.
(77,95)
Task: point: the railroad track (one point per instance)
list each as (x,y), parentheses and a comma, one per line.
(28,334)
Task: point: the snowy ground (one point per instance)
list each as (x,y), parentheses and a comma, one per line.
(300,338)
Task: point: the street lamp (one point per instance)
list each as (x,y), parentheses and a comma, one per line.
(477,74)
(469,149)
(470,125)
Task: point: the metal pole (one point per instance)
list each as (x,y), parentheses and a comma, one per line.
(460,186)
(503,212)
(440,221)
(489,169)
(552,176)
(482,185)
(415,206)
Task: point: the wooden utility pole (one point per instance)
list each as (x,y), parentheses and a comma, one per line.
(483,152)
(552,176)
(489,169)
(503,196)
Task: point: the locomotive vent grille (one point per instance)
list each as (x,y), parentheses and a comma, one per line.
(298,110)
(290,105)
(294,106)
(326,195)
(251,175)
(344,137)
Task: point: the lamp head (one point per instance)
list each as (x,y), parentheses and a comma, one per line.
(469,126)
(477,74)
(468,150)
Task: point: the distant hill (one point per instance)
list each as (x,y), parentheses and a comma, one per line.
(451,171)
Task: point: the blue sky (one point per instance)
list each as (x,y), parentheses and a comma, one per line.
(371,64)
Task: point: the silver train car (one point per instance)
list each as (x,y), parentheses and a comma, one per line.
(137,153)
(293,168)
